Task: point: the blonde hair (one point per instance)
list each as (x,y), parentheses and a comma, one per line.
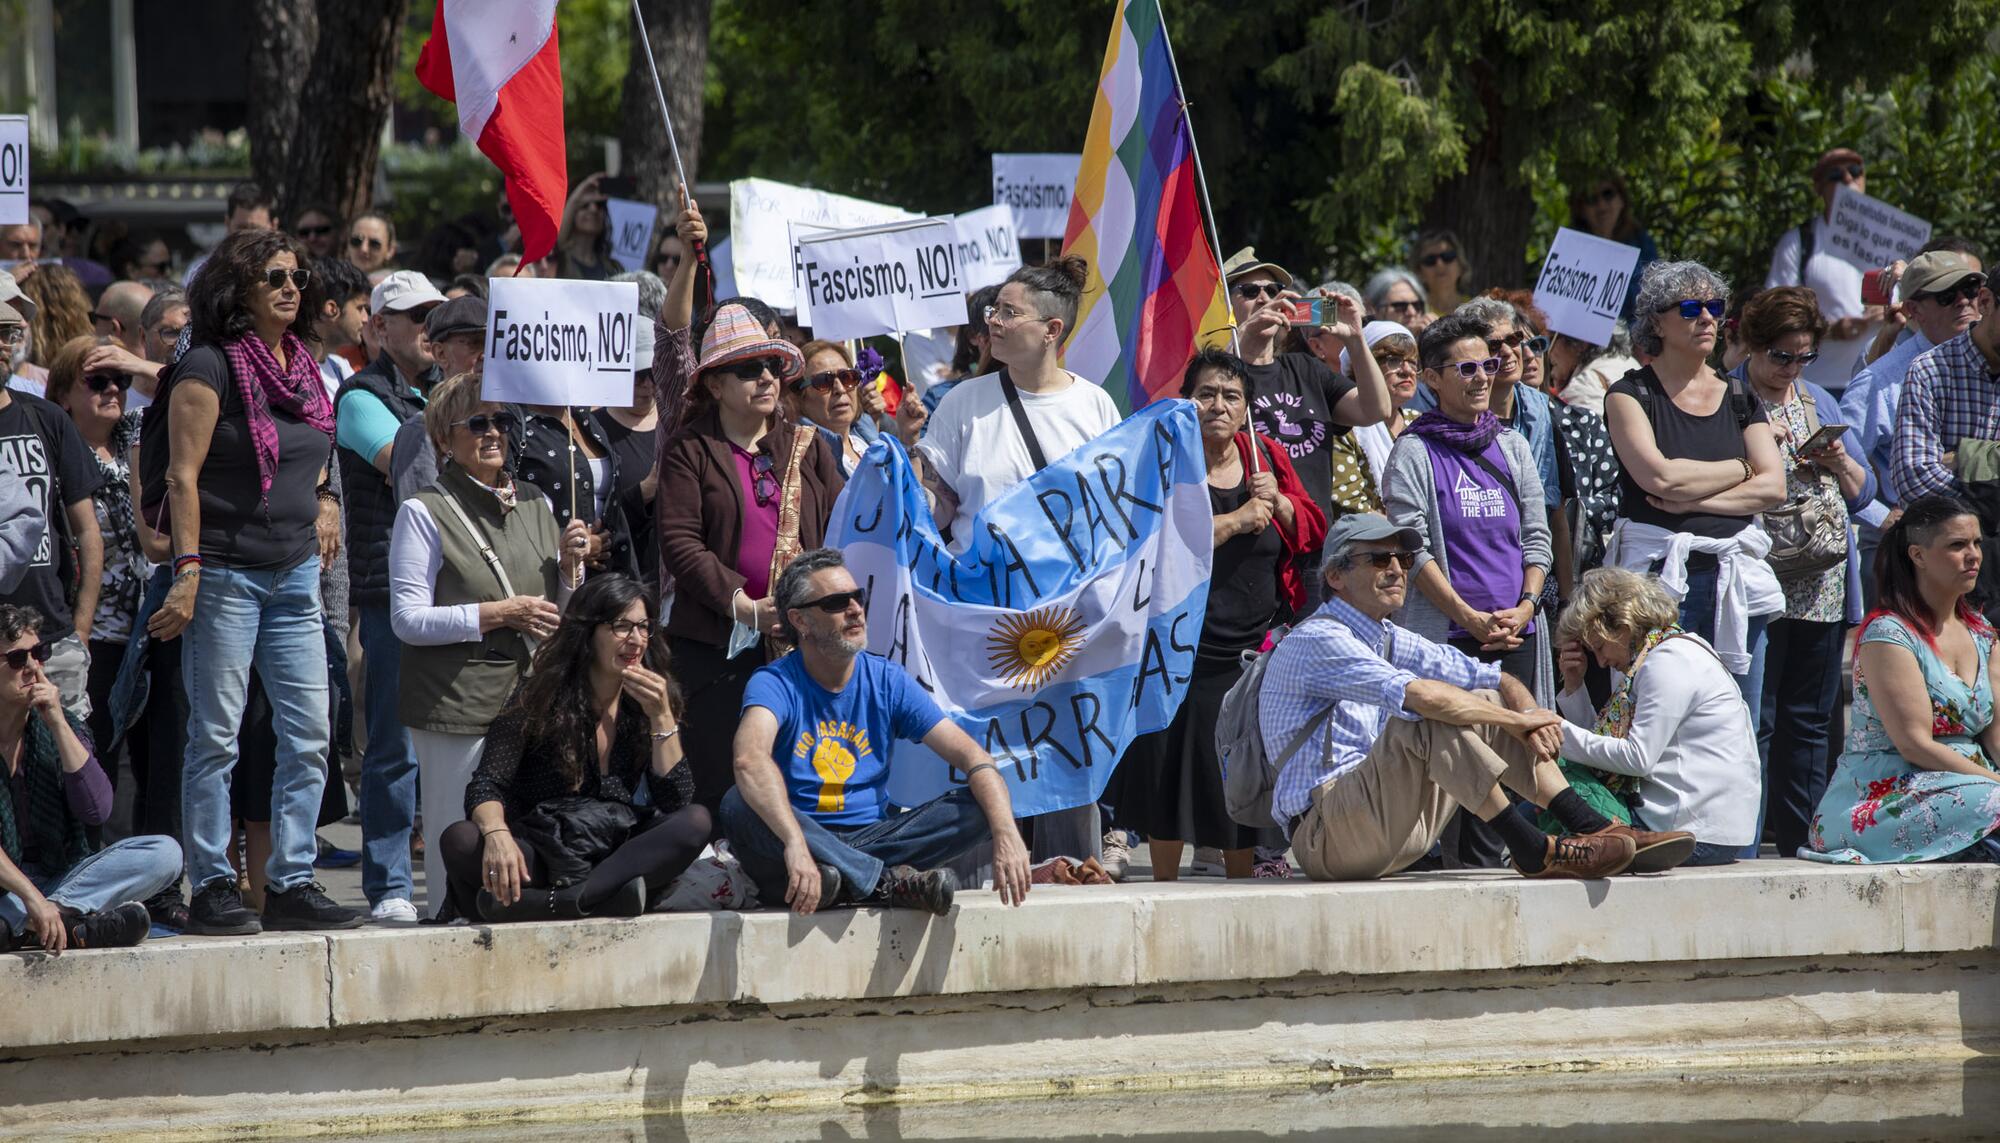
(1615,605)
(454,399)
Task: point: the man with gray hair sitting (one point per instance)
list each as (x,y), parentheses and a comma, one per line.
(1404,731)
(809,816)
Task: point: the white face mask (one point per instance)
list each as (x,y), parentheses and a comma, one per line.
(741,636)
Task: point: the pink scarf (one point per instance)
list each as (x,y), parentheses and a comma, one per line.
(294,387)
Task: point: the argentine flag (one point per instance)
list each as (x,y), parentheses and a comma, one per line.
(1069,625)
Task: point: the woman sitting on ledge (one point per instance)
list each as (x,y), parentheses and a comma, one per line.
(557,826)
(1917,782)
(1673,749)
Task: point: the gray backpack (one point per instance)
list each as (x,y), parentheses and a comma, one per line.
(1249,775)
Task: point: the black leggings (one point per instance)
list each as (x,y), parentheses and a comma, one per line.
(660,852)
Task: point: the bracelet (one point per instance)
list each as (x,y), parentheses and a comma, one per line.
(494,830)
(183,560)
(662,735)
(978,768)
(326,493)
(1749,474)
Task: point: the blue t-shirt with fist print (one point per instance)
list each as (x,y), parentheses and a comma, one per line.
(834,748)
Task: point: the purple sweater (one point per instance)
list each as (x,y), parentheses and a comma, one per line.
(88,790)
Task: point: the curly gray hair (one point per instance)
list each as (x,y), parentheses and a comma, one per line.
(1490,312)
(1662,286)
(1379,283)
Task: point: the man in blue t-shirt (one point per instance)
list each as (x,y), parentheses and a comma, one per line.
(810,816)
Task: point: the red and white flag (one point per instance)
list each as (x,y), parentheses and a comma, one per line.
(499,63)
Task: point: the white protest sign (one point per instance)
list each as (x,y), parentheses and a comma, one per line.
(1583,282)
(631,231)
(1037,186)
(988,247)
(1868,232)
(883,279)
(14,171)
(761,215)
(553,341)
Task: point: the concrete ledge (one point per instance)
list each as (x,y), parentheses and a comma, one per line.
(1140,988)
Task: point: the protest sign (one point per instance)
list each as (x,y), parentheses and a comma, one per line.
(1037,186)
(1868,232)
(882,279)
(721,261)
(554,341)
(988,247)
(631,231)
(1582,286)
(14,172)
(761,215)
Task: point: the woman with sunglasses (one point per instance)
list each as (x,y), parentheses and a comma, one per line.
(371,242)
(1438,260)
(1395,295)
(1359,457)
(828,396)
(742,491)
(1603,207)
(583,802)
(477,578)
(1781,329)
(1698,463)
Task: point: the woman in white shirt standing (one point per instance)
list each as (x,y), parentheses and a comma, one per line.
(475,581)
(1673,749)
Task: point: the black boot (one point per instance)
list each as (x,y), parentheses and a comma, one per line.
(565,904)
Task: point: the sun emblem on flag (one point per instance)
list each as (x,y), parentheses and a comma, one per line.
(1028,649)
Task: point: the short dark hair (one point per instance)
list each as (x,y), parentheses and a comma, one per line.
(1056,289)
(217,307)
(965,355)
(474,284)
(1434,344)
(248,196)
(1212,360)
(16,621)
(1773,313)
(1956,244)
(796,580)
(388,224)
(340,281)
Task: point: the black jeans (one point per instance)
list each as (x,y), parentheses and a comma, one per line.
(712,687)
(1801,690)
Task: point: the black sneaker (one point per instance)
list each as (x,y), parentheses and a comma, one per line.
(167,909)
(218,911)
(306,907)
(832,886)
(119,927)
(904,888)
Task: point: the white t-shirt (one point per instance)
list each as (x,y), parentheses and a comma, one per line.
(1837,285)
(973,444)
(332,372)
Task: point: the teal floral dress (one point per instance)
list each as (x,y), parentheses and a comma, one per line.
(1878,808)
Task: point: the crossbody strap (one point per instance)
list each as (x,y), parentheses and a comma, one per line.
(1501,475)
(1014,406)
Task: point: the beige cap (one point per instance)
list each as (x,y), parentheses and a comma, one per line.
(1929,273)
(10,293)
(1245,260)
(11,316)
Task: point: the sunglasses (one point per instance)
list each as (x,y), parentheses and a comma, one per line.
(1251,291)
(1967,290)
(277,276)
(99,382)
(18,659)
(1608,194)
(754,368)
(1381,560)
(1409,307)
(762,484)
(98,317)
(1832,174)
(837,602)
(313,231)
(1537,345)
(1780,357)
(1467,370)
(1445,256)
(1691,309)
(825,382)
(479,424)
(357,242)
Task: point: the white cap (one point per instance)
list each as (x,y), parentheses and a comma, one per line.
(403,290)
(10,293)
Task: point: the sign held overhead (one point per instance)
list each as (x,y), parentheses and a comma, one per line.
(884,279)
(1038,187)
(631,230)
(762,214)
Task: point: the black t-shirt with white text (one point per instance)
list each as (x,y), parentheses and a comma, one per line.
(1292,401)
(39,441)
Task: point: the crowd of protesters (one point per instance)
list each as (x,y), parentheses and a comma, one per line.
(269,558)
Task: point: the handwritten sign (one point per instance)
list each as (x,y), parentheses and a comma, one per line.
(14,171)
(1037,186)
(761,215)
(883,279)
(988,247)
(631,231)
(1868,232)
(1583,282)
(553,341)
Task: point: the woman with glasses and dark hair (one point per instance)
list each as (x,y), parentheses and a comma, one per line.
(1437,258)
(1698,462)
(477,578)
(742,491)
(583,803)
(1603,207)
(830,396)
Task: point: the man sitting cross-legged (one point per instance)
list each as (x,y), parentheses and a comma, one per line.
(1413,733)
(809,816)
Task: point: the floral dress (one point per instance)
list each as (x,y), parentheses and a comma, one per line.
(1879,808)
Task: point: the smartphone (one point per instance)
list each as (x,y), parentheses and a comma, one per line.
(1875,288)
(618,186)
(1310,311)
(1824,436)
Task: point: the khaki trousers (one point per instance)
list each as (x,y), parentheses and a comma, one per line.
(1387,812)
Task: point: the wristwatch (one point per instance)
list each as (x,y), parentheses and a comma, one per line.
(1534,597)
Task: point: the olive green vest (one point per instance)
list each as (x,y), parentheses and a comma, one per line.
(458,688)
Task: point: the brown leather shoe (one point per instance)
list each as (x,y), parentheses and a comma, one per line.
(1653,852)
(1584,857)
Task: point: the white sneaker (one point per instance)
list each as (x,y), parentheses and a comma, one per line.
(393,911)
(1207,862)
(1117,855)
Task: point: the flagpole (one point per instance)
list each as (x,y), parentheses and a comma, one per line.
(1200,176)
(653,68)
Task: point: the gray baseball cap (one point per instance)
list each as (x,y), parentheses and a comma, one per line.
(1363,528)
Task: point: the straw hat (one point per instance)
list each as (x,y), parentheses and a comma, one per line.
(735,336)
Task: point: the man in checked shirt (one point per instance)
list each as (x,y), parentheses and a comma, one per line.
(1408,730)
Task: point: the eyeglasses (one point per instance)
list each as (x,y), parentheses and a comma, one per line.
(1691,309)
(1251,291)
(824,382)
(1009,315)
(1967,290)
(754,368)
(623,629)
(1381,560)
(1608,194)
(1467,370)
(479,424)
(169,332)
(1393,362)
(762,484)
(1833,174)
(314,231)
(836,602)
(277,276)
(1433,258)
(356,242)
(11,336)
(18,659)
(99,382)
(1409,307)
(669,260)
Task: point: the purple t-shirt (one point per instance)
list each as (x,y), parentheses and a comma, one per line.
(759,535)
(1481,526)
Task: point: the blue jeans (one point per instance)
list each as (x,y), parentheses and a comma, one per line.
(388,766)
(129,870)
(270,620)
(928,836)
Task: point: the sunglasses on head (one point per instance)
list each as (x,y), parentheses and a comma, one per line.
(1381,560)
(1781,357)
(836,602)
(314,231)
(18,659)
(1251,291)
(99,382)
(1691,308)
(479,424)
(1966,290)
(825,381)
(277,276)
(1832,174)
(1445,256)
(357,242)
(1467,370)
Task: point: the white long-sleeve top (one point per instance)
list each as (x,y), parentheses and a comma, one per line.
(415,557)
(1690,744)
